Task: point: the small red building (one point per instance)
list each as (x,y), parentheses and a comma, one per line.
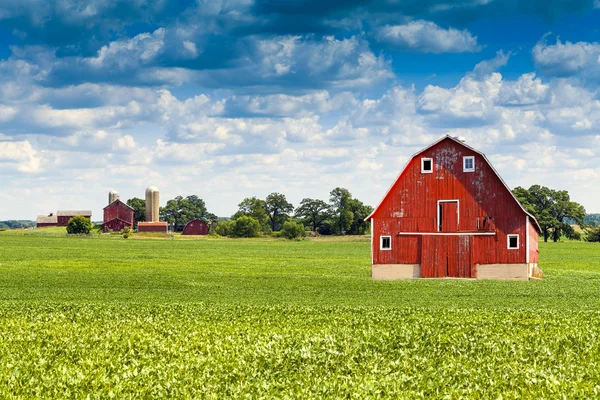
(449,214)
(157,226)
(196,227)
(64,216)
(117,216)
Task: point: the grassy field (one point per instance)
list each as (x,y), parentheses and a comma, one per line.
(271,318)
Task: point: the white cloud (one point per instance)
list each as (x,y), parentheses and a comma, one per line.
(19,155)
(427,37)
(527,90)
(568,59)
(487,67)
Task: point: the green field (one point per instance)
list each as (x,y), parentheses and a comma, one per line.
(270,318)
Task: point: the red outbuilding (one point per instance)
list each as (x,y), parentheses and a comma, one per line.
(117,216)
(156,226)
(196,227)
(63,216)
(449,214)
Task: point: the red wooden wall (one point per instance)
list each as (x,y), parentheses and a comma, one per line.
(117,215)
(412,206)
(196,227)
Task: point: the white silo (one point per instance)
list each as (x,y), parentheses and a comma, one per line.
(152,204)
(112,196)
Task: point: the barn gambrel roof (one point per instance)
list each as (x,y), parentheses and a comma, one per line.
(120,201)
(456,140)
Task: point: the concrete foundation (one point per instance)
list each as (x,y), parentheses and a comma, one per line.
(386,272)
(507,272)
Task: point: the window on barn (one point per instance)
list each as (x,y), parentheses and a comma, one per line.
(513,241)
(469,164)
(385,243)
(426,165)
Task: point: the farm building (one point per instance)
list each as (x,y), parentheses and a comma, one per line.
(117,216)
(44,221)
(61,218)
(156,226)
(65,215)
(449,214)
(196,227)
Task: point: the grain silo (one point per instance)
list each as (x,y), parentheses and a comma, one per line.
(112,196)
(152,204)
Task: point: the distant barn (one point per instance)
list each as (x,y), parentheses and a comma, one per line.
(45,221)
(196,227)
(61,218)
(117,216)
(65,215)
(449,214)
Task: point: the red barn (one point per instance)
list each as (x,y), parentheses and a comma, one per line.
(65,215)
(196,227)
(449,214)
(117,216)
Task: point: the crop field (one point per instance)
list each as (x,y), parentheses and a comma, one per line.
(108,317)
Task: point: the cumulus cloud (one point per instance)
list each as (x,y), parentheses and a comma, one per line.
(20,156)
(564,59)
(427,37)
(486,67)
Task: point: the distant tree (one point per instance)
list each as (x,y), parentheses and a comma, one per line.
(293,230)
(139,209)
(551,208)
(179,211)
(340,205)
(224,228)
(245,226)
(359,212)
(255,208)
(592,219)
(313,212)
(592,234)
(79,225)
(278,210)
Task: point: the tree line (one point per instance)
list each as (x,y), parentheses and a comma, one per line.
(343,214)
(556,213)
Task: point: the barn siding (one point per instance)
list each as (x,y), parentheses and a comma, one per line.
(117,215)
(411,205)
(533,244)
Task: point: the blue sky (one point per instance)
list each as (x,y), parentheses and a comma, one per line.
(227,99)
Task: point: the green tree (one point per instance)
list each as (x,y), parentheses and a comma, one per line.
(340,205)
(179,211)
(139,209)
(592,234)
(255,208)
(278,210)
(293,230)
(359,212)
(79,225)
(224,228)
(245,226)
(313,212)
(551,208)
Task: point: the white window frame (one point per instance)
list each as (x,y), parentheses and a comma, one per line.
(508,242)
(465,158)
(381,242)
(423,170)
